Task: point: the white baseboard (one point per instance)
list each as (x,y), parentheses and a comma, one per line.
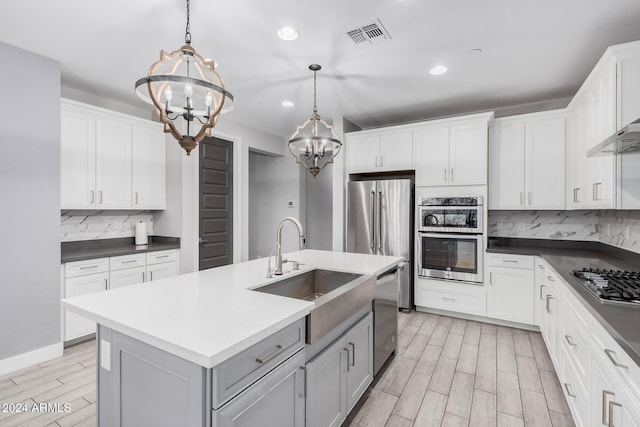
(30,358)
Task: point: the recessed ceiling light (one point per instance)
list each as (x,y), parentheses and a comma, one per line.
(287,104)
(475,51)
(438,70)
(288,33)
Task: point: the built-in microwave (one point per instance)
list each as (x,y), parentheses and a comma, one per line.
(450,256)
(451,214)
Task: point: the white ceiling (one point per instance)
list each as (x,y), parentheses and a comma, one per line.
(531,51)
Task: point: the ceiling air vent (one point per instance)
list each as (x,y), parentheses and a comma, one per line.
(370,33)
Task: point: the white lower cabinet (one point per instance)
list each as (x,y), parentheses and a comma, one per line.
(599,380)
(74,325)
(339,376)
(510,291)
(101,274)
(451,296)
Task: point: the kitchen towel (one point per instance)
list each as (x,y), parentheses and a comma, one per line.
(141,233)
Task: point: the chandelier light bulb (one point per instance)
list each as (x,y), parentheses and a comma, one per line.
(168,94)
(188,91)
(208,100)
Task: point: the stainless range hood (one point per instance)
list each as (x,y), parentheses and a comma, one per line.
(626,140)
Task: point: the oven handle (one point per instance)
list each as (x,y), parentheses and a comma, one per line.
(477,236)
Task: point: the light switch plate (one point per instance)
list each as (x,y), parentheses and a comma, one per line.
(105,355)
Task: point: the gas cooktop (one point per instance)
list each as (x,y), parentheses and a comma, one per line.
(611,285)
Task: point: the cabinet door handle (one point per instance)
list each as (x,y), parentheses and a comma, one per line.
(381,161)
(445,175)
(106,283)
(353,354)
(151,276)
(529,197)
(93,196)
(605,418)
(348,357)
(593,191)
(376,161)
(541,287)
(612,357)
(551,279)
(566,387)
(451,174)
(100,196)
(611,405)
(569,340)
(279,349)
(304,393)
(521,198)
(136,197)
(491,278)
(143,277)
(598,195)
(549,298)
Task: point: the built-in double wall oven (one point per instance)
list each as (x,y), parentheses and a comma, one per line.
(450,240)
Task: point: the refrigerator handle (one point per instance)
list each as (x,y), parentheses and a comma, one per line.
(380,221)
(372,208)
(419,253)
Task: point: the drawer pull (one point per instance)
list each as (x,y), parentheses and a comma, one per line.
(570,341)
(162,256)
(304,393)
(551,279)
(604,407)
(541,287)
(87,267)
(510,260)
(348,357)
(612,356)
(549,298)
(129,261)
(279,349)
(449,299)
(566,387)
(353,354)
(611,405)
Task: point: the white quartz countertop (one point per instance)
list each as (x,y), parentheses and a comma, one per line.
(207,317)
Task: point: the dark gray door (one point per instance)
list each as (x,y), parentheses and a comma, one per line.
(216,202)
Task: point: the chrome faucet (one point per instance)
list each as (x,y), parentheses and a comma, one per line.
(279,260)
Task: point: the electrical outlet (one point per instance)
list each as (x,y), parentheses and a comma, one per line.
(291,204)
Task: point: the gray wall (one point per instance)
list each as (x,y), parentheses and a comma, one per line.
(30,195)
(319,208)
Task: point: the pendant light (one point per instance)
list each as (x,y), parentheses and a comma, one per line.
(314,143)
(187,92)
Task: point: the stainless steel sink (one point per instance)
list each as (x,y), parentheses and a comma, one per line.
(335,294)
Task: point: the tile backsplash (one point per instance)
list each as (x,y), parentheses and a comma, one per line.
(621,229)
(93,225)
(559,225)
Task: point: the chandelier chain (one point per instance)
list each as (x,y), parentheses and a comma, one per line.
(315,103)
(187,31)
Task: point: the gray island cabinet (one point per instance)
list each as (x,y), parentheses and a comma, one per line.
(220,348)
(268,384)
(140,385)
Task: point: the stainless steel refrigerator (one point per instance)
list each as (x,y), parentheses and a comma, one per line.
(379,222)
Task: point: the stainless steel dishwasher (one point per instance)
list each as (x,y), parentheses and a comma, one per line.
(385,317)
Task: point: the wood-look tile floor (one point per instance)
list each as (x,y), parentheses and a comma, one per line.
(454,372)
(448,372)
(69,379)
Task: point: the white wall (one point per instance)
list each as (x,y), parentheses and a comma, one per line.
(30,209)
(180,218)
(274,181)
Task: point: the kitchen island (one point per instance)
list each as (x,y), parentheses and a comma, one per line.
(202,348)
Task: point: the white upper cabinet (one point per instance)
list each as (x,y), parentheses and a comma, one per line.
(78,158)
(608,100)
(148,168)
(379,151)
(432,155)
(527,161)
(452,151)
(110,160)
(113,163)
